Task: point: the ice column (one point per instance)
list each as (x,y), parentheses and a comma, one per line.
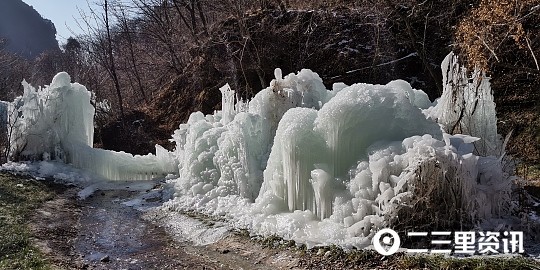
(227,104)
(466,106)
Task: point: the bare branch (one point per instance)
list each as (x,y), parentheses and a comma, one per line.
(532,53)
(487,47)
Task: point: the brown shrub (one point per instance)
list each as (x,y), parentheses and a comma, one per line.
(497,30)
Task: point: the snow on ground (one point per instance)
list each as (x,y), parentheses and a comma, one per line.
(300,161)
(58,171)
(184,228)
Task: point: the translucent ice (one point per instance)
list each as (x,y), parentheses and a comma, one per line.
(57,122)
(466,106)
(314,165)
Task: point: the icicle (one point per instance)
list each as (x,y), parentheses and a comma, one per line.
(227,104)
(323,188)
(466,106)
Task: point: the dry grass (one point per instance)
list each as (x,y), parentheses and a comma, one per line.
(18,198)
(441,199)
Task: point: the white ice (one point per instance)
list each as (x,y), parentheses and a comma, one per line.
(333,166)
(57,123)
(300,161)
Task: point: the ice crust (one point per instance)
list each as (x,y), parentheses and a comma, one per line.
(309,164)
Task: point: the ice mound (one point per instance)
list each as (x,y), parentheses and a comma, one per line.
(334,166)
(57,123)
(48,118)
(327,143)
(303,162)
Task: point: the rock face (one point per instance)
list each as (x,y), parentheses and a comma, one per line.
(23,31)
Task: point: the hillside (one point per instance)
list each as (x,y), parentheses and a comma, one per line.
(341,45)
(23,31)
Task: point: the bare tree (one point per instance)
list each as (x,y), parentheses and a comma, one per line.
(162,27)
(13,70)
(195,9)
(100,46)
(110,60)
(128,33)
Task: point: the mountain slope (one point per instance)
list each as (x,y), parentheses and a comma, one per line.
(24,31)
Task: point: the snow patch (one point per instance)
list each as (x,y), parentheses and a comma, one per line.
(184,228)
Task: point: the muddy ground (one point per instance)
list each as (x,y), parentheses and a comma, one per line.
(102,232)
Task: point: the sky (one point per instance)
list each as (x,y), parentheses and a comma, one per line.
(64,15)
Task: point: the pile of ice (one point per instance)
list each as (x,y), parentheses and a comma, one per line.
(466,106)
(309,164)
(334,166)
(57,123)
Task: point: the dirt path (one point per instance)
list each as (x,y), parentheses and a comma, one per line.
(117,228)
(105,231)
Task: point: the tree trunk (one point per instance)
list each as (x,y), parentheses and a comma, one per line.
(112,62)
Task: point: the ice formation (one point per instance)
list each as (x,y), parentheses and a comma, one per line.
(57,123)
(466,106)
(333,166)
(51,119)
(314,165)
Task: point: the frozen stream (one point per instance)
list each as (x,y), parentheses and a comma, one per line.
(112,232)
